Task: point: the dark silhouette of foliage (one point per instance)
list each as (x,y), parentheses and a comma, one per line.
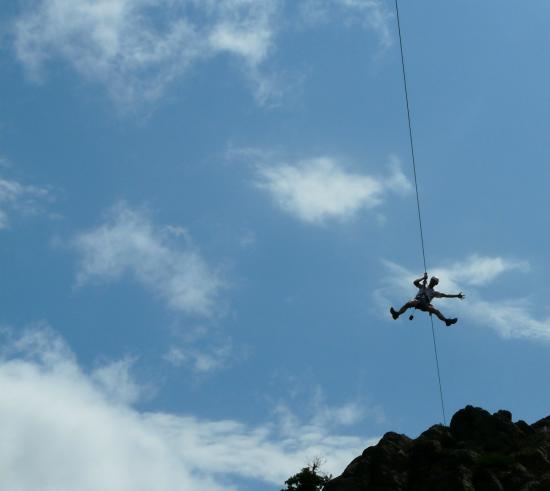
(308,479)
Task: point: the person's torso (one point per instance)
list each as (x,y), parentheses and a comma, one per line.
(425,294)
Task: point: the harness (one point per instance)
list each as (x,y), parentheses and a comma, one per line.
(424,297)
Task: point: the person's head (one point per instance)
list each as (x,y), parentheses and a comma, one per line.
(434,280)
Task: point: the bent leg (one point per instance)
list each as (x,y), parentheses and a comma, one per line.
(432,310)
(407,306)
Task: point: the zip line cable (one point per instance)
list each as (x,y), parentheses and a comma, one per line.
(438,374)
(411,137)
(418,200)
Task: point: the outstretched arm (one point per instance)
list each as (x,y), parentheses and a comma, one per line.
(446,295)
(420,280)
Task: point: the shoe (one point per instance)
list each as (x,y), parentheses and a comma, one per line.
(394,313)
(450,322)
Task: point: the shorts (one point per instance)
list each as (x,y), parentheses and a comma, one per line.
(421,305)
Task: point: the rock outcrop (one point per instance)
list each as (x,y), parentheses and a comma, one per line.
(479,451)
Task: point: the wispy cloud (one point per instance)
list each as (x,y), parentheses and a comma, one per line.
(320,189)
(347,414)
(200,360)
(373,14)
(115,379)
(317,412)
(509,317)
(136,48)
(129,243)
(17,198)
(480,270)
(52,411)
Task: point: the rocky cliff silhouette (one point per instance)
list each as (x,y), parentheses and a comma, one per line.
(479,451)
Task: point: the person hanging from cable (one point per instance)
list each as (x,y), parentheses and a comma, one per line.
(424,297)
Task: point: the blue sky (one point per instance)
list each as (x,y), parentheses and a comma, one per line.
(206,209)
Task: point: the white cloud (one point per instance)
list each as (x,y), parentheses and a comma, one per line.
(61,430)
(316,190)
(373,14)
(244,28)
(346,414)
(511,318)
(202,350)
(129,243)
(377,16)
(200,360)
(312,400)
(115,379)
(135,48)
(23,199)
(478,270)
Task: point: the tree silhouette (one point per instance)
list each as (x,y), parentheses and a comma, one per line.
(308,479)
